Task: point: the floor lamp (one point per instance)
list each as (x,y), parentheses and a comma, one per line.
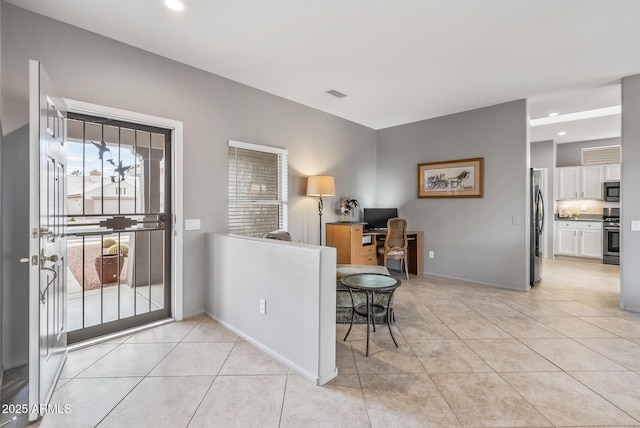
(321,185)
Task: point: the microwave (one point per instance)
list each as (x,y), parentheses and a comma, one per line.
(611,191)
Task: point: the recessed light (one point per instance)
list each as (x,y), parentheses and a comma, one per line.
(561,133)
(555,113)
(174,5)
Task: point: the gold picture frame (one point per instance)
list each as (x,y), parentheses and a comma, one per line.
(461,178)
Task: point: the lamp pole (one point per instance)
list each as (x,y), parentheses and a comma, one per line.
(320,208)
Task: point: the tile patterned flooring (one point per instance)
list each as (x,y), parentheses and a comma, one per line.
(562,354)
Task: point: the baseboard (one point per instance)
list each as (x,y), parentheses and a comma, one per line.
(470,281)
(318,380)
(192,314)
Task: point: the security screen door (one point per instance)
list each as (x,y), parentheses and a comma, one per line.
(118,225)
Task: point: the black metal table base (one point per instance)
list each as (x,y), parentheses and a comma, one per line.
(371,312)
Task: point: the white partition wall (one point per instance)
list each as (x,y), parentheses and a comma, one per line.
(297,283)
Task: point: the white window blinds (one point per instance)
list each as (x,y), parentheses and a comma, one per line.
(257,189)
(600,155)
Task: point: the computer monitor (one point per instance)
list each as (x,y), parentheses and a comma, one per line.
(376,218)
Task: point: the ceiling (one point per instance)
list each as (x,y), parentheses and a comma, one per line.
(398,61)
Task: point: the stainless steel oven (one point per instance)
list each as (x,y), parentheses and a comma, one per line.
(611,236)
(611,191)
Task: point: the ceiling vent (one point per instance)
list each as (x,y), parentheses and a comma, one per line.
(335,93)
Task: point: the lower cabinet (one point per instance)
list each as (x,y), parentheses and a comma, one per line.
(580,239)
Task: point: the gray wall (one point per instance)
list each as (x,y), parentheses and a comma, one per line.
(630,202)
(15,185)
(473,239)
(543,155)
(1,215)
(570,154)
(94,69)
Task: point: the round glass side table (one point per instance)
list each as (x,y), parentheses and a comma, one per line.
(369,283)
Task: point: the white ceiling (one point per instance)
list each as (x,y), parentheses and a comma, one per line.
(398,61)
(567,102)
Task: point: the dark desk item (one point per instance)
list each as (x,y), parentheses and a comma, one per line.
(370,283)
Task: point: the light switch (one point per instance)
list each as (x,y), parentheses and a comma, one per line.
(515,220)
(635,225)
(192,224)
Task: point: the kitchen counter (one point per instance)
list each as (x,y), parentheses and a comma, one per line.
(581,217)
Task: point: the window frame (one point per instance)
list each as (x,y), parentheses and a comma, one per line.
(282,177)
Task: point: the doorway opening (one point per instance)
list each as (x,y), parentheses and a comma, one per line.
(118,225)
(575,134)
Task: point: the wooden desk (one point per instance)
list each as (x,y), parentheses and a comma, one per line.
(346,237)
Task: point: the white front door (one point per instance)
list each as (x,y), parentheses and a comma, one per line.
(47,242)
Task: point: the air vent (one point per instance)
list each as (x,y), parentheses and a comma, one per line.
(600,155)
(335,93)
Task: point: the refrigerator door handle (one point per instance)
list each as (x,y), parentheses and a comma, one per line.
(542,211)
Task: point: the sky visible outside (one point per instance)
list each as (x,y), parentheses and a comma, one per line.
(92,160)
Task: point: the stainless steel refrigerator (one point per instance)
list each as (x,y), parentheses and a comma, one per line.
(537,226)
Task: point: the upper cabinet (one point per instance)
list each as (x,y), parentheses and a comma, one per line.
(584,182)
(612,172)
(591,184)
(568,182)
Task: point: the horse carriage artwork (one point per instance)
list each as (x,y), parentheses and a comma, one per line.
(440,181)
(451,179)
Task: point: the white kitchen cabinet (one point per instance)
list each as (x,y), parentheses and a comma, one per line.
(579,239)
(568,182)
(612,172)
(567,242)
(579,182)
(590,243)
(591,181)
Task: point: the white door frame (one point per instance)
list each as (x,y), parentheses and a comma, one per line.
(177,301)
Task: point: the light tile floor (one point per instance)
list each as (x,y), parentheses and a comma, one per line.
(562,354)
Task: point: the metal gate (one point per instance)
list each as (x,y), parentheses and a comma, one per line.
(118,225)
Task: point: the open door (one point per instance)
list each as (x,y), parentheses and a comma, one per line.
(47,242)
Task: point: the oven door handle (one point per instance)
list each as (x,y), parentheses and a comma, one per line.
(612,228)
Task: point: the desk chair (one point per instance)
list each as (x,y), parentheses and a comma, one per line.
(396,243)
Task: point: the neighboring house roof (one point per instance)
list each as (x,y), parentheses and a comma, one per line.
(92,185)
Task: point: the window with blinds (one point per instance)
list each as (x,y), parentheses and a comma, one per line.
(600,155)
(257,189)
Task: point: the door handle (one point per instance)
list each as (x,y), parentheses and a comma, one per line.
(44,258)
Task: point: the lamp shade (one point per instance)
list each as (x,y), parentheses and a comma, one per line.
(321,185)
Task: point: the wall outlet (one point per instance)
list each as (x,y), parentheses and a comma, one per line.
(583,207)
(263,306)
(192,224)
(635,226)
(431,254)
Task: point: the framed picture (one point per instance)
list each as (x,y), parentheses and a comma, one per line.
(451,179)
